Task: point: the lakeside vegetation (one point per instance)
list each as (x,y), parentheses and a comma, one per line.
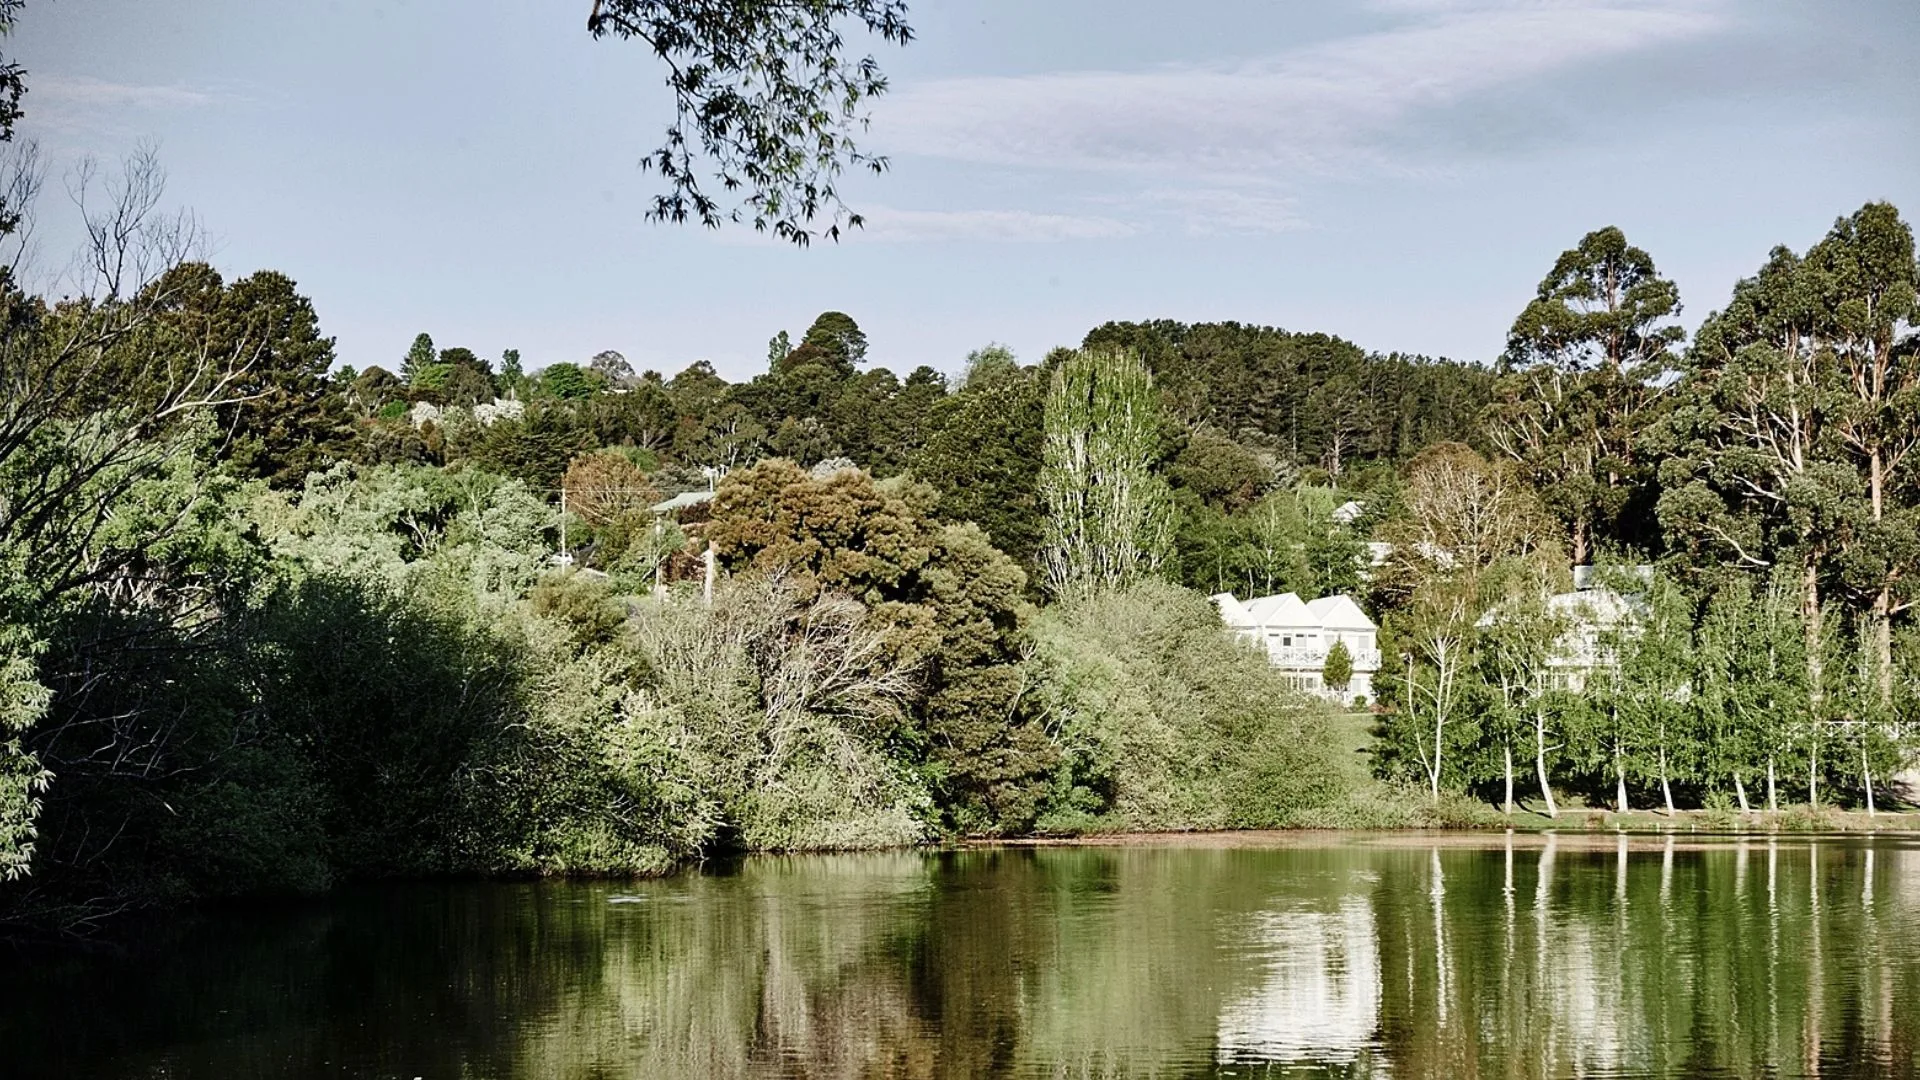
(269,620)
(273,622)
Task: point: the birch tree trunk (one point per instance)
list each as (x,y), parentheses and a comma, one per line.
(1866,774)
(1619,772)
(1540,759)
(1810,616)
(1813,769)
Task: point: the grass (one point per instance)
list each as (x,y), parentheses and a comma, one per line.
(1353,738)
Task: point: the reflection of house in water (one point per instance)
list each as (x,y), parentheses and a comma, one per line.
(1320,1000)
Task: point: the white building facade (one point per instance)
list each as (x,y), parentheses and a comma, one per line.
(1298,634)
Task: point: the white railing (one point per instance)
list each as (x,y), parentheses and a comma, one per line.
(1313,657)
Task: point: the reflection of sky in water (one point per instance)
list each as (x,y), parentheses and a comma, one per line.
(1320,998)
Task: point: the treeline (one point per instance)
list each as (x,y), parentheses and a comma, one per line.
(1761,474)
(1252,410)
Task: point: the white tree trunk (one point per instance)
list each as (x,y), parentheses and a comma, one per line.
(1619,779)
(1866,774)
(1813,771)
(1540,760)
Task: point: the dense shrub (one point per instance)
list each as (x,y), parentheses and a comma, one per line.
(1165,721)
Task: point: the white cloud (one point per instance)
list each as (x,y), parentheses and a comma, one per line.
(86,92)
(1320,108)
(1234,139)
(886,224)
(1206,211)
(77,112)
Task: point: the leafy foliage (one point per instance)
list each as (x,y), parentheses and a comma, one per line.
(764,98)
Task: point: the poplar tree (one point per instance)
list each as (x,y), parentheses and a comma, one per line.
(1109,515)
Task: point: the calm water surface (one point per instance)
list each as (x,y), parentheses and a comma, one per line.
(1348,957)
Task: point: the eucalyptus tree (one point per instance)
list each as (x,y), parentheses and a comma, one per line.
(767,103)
(1583,365)
(1754,479)
(1866,279)
(1109,514)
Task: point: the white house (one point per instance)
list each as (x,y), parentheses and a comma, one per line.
(1593,619)
(1298,634)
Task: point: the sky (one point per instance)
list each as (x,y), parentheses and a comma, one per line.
(1398,172)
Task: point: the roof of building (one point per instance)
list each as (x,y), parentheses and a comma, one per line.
(1288,611)
(682,501)
(1340,613)
(1590,608)
(1232,612)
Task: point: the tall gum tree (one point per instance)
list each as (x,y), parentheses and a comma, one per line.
(1584,364)
(1752,475)
(1865,272)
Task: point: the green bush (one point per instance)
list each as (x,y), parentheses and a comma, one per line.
(1166,721)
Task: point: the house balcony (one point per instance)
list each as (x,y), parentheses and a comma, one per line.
(1314,658)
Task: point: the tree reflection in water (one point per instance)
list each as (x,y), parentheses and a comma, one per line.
(1367,956)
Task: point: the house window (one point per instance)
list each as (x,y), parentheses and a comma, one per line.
(1287,641)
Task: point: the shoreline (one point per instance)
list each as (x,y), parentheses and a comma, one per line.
(1698,827)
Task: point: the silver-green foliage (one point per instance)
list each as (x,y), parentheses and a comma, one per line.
(1109,517)
(1166,721)
(755,720)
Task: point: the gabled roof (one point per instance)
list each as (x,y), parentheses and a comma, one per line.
(1600,608)
(1340,613)
(1285,610)
(1288,612)
(1232,612)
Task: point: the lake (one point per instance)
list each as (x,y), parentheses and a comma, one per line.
(1324,956)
